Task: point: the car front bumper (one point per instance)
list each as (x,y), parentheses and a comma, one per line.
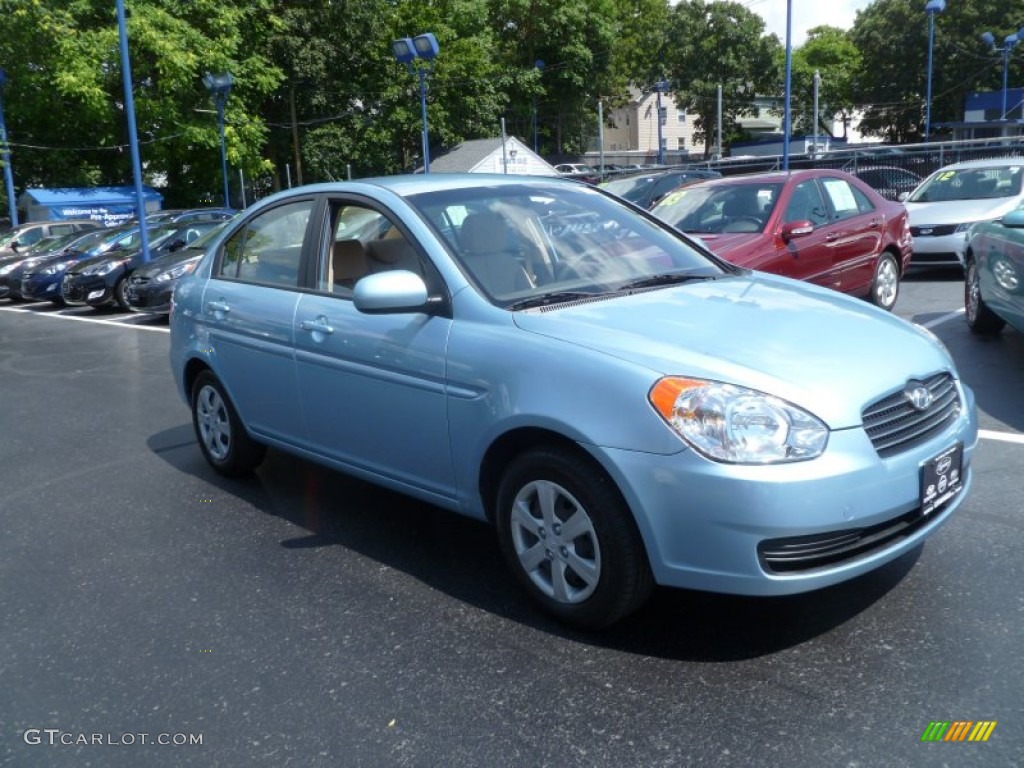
(145,295)
(939,250)
(87,289)
(717,527)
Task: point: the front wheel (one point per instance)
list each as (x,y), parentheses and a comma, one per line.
(885,287)
(980,319)
(121,294)
(570,538)
(221,435)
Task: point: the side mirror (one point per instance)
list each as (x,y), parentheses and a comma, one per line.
(1014,219)
(794,229)
(394,291)
(902,196)
(15,245)
(176,244)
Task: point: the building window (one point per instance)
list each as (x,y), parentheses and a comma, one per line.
(681,115)
(664,115)
(681,143)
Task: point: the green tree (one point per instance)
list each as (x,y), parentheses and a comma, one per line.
(66,95)
(828,51)
(892,37)
(719,43)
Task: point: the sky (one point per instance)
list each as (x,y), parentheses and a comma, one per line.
(806,14)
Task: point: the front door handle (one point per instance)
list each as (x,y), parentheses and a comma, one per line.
(319,325)
(831,237)
(218,306)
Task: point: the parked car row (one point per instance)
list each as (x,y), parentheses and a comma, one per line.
(95,268)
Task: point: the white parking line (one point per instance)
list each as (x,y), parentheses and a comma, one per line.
(944,319)
(1004,437)
(94,320)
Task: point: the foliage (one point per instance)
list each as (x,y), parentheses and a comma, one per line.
(719,43)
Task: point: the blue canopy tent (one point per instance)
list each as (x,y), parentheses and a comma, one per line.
(109,205)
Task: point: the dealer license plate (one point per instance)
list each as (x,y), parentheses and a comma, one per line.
(941,478)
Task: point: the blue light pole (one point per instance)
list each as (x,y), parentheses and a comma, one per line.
(789,85)
(660,86)
(133,139)
(219,87)
(12,204)
(537,65)
(1008,43)
(406,51)
(932,7)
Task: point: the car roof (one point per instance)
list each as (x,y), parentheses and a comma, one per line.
(992,162)
(776,177)
(411,184)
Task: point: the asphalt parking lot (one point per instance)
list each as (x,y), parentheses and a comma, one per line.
(303,618)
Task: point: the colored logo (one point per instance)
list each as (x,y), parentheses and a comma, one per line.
(958,730)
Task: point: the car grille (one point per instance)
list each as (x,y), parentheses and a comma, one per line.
(939,230)
(800,554)
(894,424)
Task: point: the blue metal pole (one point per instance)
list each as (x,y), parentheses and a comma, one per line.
(220,98)
(928,96)
(661,151)
(423,111)
(12,204)
(133,139)
(789,84)
(1006,67)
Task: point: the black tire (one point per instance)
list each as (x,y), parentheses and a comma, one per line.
(222,437)
(885,285)
(120,287)
(980,319)
(589,577)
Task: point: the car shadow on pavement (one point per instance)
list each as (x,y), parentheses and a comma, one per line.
(459,557)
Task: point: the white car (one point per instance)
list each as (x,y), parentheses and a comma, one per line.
(947,203)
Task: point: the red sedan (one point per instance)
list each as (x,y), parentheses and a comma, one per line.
(822,226)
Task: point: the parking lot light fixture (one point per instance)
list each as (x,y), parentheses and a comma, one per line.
(931,8)
(219,87)
(1008,44)
(5,151)
(406,51)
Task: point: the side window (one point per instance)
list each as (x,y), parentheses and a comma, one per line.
(864,204)
(842,199)
(268,249)
(61,229)
(362,241)
(30,236)
(806,204)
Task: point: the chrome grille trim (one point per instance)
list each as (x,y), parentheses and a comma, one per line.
(893,425)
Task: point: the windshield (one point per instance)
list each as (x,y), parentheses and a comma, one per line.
(520,243)
(969,184)
(633,189)
(204,239)
(720,207)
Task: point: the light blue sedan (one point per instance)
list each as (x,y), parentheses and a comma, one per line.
(624,407)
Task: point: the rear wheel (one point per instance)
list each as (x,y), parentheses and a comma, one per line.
(221,435)
(570,538)
(885,287)
(980,319)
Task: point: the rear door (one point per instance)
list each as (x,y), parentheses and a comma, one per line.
(249,309)
(858,226)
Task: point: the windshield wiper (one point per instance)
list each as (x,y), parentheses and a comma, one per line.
(555,297)
(664,279)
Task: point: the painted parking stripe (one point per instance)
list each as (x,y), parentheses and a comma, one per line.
(1003,437)
(94,320)
(944,319)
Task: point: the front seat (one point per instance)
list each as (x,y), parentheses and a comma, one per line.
(489,254)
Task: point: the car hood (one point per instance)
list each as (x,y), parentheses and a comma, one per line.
(959,211)
(826,352)
(167,261)
(729,244)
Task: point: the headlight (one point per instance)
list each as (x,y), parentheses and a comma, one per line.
(53,269)
(961,228)
(733,424)
(175,272)
(104,268)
